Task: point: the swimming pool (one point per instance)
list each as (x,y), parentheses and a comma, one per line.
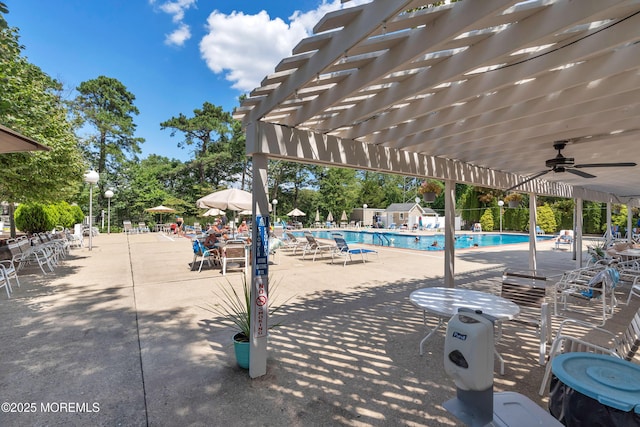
(425,242)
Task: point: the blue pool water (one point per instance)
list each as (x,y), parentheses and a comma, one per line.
(425,242)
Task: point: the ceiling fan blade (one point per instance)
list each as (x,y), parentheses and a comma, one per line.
(606,165)
(579,173)
(531,178)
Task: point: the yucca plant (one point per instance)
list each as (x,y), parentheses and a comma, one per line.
(234,307)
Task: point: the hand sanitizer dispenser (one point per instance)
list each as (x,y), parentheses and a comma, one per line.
(468,359)
(468,351)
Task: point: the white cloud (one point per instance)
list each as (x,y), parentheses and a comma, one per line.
(246,48)
(179,36)
(176,9)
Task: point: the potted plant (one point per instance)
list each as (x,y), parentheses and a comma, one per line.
(597,251)
(429,190)
(513,199)
(234,309)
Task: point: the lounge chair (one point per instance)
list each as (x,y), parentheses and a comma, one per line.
(127,227)
(292,242)
(4,281)
(565,237)
(345,251)
(315,246)
(624,347)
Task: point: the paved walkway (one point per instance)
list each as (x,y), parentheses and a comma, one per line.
(120,335)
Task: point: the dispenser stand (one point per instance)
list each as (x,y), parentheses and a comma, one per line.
(468,345)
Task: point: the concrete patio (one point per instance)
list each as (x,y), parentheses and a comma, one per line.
(124,329)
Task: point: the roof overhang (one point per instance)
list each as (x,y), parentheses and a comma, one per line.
(475,92)
(13,142)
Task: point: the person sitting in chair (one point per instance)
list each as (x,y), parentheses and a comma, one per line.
(210,241)
(243,228)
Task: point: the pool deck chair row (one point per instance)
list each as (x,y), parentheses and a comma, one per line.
(343,250)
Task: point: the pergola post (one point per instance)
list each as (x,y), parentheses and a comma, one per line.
(260,264)
(449,232)
(533,234)
(577,238)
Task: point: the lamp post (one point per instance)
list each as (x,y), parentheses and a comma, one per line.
(500,205)
(91,178)
(108,194)
(364,209)
(274,202)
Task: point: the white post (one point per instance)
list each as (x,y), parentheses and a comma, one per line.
(577,238)
(260,266)
(500,205)
(449,232)
(108,194)
(91,177)
(533,222)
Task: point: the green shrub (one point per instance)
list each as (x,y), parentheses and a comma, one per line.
(486,220)
(546,218)
(35,218)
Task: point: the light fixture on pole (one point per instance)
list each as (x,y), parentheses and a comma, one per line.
(108,194)
(274,202)
(364,210)
(500,205)
(91,178)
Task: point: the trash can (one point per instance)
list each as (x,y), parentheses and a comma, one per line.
(594,389)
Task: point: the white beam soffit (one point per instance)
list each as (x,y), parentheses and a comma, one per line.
(483,87)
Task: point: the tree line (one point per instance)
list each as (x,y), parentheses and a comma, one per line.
(34,104)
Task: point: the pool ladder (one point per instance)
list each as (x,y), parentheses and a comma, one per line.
(383,238)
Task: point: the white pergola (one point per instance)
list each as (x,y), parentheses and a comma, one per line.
(473,92)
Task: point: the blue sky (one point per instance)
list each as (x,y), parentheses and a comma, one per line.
(172,55)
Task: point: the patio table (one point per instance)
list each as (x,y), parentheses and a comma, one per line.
(445,302)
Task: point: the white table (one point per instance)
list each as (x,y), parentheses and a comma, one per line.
(445,302)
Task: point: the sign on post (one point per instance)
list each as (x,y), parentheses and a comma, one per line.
(261,269)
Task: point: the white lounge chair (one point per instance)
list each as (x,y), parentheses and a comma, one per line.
(316,247)
(625,347)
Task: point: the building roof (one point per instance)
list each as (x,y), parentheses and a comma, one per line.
(407,207)
(473,91)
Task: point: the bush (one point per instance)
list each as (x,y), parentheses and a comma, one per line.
(486,220)
(35,218)
(546,218)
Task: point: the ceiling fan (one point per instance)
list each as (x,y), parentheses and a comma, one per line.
(561,163)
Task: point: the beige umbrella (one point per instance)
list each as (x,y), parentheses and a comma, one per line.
(213,212)
(296,212)
(231,199)
(330,217)
(344,216)
(160,209)
(12,142)
(317,215)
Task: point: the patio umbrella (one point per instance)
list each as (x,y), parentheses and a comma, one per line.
(160,209)
(318,215)
(330,217)
(230,199)
(12,142)
(296,212)
(344,216)
(213,212)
